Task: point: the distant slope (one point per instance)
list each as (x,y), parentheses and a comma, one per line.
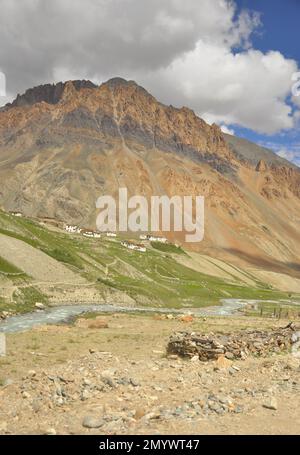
(253,153)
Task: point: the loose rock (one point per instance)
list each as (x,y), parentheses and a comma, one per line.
(271,404)
(92,422)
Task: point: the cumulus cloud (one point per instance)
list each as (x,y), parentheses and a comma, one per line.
(196,53)
(247,88)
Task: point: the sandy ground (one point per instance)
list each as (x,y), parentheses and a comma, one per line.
(65,379)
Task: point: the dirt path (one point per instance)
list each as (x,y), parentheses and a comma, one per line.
(35,263)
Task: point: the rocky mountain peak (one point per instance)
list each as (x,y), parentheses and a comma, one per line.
(48,93)
(119,82)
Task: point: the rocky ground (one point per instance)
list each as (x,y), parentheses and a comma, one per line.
(112,376)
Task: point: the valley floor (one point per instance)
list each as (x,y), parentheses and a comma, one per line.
(113,374)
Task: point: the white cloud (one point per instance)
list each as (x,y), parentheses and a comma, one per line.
(227,130)
(290,152)
(196,53)
(288,155)
(247,88)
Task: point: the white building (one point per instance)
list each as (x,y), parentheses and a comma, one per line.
(134,246)
(71,229)
(88,234)
(92,234)
(17,214)
(111,234)
(154,238)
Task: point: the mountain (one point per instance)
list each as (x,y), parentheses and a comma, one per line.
(64,145)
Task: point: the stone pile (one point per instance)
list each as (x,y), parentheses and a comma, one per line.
(234,346)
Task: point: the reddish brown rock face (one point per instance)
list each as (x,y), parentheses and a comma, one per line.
(64,145)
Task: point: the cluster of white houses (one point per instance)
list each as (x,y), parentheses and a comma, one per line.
(138,247)
(87,233)
(127,244)
(153,238)
(73,229)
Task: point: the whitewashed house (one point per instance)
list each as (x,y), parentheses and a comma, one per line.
(92,234)
(17,214)
(111,234)
(134,246)
(154,238)
(71,229)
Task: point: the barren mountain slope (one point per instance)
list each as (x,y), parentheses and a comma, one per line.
(63,146)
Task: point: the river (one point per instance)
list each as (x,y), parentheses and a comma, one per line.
(61,314)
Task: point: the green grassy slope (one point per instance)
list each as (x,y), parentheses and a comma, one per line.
(154,277)
(9,269)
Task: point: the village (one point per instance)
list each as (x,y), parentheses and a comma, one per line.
(92,234)
(130,245)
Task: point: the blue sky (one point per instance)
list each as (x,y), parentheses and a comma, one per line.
(279,31)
